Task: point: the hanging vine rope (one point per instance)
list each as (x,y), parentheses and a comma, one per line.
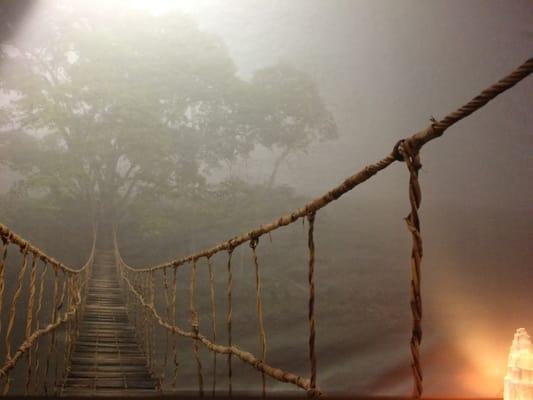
(228,319)
(259,306)
(195,325)
(213,321)
(412,160)
(311,306)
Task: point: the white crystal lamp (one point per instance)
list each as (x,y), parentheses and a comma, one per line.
(518,383)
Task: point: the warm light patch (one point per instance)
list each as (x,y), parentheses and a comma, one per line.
(485,369)
(518,383)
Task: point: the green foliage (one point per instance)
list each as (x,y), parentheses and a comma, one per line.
(126,115)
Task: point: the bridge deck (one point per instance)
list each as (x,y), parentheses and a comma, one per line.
(106,359)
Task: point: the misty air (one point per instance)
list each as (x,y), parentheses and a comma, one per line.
(266,198)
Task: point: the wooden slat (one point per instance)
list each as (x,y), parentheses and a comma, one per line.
(107,359)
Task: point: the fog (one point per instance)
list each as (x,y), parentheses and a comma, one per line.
(188,123)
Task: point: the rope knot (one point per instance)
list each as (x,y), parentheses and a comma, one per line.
(254,241)
(25,247)
(396,150)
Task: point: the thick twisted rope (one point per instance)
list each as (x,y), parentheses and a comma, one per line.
(29,321)
(11,318)
(259,306)
(213,321)
(195,325)
(228,319)
(412,160)
(5,244)
(311,305)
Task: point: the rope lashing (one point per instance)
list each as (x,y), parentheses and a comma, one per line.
(412,160)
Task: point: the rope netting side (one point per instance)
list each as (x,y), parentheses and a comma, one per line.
(405,150)
(30,319)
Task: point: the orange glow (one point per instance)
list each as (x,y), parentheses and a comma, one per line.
(485,371)
(484,357)
(518,384)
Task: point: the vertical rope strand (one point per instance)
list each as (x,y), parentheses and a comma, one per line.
(167,309)
(153,355)
(12,311)
(228,320)
(5,245)
(55,302)
(195,328)
(14,300)
(213,321)
(174,320)
(29,321)
(412,160)
(58,316)
(259,306)
(42,280)
(311,314)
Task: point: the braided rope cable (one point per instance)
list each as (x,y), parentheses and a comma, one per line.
(51,346)
(228,320)
(59,308)
(167,308)
(11,318)
(14,300)
(174,347)
(311,305)
(213,321)
(5,244)
(412,160)
(12,237)
(259,307)
(29,321)
(42,280)
(437,128)
(195,326)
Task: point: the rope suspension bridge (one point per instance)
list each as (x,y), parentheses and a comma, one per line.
(90,331)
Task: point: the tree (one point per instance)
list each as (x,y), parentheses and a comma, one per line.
(292,114)
(128,106)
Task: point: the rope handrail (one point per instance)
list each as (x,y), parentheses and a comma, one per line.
(406,150)
(417,141)
(249,358)
(7,235)
(69,290)
(69,298)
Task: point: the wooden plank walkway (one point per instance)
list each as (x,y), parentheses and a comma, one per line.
(107,360)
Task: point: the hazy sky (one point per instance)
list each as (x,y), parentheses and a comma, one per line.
(384,68)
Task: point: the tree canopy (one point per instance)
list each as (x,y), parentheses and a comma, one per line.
(106,110)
